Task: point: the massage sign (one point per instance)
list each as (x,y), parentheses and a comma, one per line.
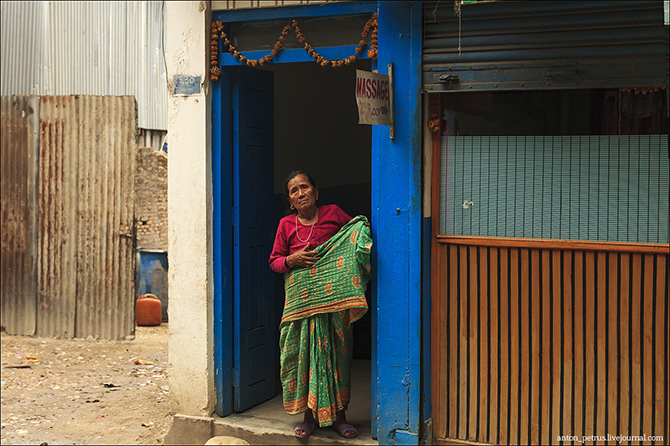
(373,96)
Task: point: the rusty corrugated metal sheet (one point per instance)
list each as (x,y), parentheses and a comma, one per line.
(57,268)
(68,254)
(18,167)
(106,203)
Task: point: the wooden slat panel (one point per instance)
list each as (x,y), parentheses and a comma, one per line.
(485,326)
(440,358)
(504,381)
(579,341)
(547,342)
(613,347)
(438,389)
(463,343)
(453,341)
(473,341)
(635,343)
(536,346)
(568,349)
(556,347)
(624,357)
(661,415)
(601,353)
(494,406)
(589,343)
(514,349)
(647,352)
(525,354)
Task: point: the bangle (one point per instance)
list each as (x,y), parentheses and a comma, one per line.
(286,262)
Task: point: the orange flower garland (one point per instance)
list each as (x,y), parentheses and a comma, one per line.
(215,71)
(370,30)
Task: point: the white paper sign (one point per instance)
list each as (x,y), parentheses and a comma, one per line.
(373,98)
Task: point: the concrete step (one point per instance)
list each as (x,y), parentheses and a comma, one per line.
(270,424)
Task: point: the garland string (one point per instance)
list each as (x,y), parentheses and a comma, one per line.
(370,30)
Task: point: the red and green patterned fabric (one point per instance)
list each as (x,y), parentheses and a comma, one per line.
(316,335)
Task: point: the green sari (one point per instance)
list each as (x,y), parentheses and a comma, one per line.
(316,335)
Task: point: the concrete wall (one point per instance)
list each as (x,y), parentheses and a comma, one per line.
(189,214)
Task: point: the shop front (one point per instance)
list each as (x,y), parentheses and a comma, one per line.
(550,220)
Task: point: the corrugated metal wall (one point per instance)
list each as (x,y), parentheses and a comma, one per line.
(18,210)
(85,266)
(58,205)
(106,194)
(92,48)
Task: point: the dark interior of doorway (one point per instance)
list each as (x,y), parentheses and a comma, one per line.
(316,130)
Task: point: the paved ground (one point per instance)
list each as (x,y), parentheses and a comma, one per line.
(78,391)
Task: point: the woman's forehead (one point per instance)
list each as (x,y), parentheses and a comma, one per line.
(298,180)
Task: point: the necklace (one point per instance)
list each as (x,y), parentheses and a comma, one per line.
(311,229)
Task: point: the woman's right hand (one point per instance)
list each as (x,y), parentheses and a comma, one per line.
(304,257)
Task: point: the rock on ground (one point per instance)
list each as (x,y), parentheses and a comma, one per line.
(78,391)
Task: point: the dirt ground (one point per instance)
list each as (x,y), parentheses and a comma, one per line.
(79,391)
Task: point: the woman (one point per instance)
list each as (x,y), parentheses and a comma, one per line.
(325,293)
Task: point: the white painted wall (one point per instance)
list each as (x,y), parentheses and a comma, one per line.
(190,345)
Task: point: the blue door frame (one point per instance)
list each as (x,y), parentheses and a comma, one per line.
(396,216)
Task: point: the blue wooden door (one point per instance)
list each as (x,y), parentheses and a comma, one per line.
(253,191)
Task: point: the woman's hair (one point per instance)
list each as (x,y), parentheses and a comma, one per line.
(288,178)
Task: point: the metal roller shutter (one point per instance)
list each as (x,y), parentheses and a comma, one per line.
(544,45)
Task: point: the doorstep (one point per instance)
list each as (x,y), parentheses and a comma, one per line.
(268,423)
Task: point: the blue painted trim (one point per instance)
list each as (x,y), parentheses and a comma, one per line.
(222,245)
(216,236)
(426,307)
(295,55)
(236,228)
(294,12)
(374,369)
(396,215)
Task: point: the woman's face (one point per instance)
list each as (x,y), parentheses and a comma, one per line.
(301,194)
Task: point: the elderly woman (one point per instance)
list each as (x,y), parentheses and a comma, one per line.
(324,255)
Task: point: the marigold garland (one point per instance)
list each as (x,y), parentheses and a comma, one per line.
(370,30)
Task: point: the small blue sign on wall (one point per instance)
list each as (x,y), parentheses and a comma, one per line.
(186,85)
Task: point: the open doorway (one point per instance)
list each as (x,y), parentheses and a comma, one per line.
(316,130)
(293,116)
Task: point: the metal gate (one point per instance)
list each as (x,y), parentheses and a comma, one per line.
(544,45)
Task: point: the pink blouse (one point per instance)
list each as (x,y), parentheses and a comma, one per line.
(331,219)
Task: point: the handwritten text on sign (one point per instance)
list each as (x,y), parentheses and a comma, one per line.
(372,96)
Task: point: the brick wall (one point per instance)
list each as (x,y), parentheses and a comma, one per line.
(151,199)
